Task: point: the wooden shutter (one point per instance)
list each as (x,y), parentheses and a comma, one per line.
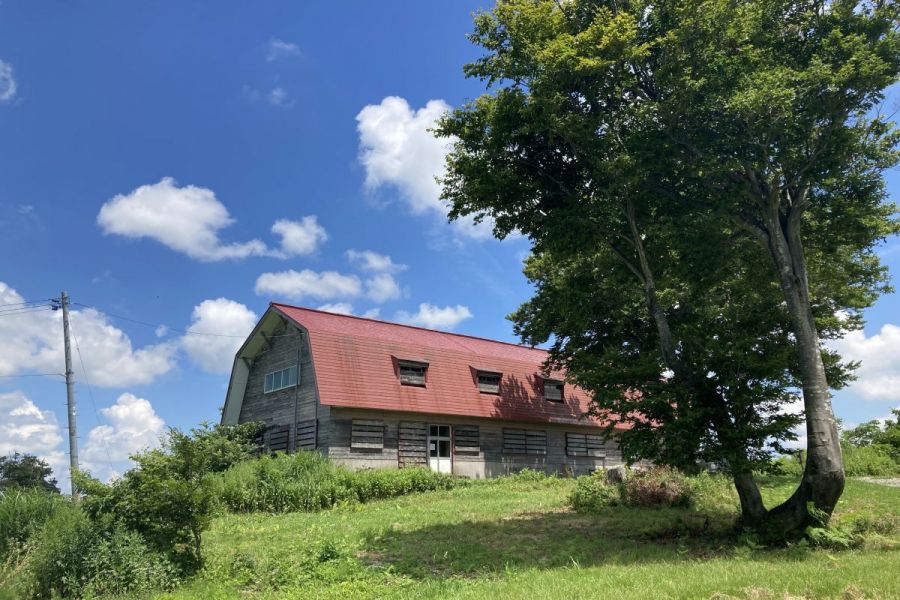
(306,435)
(524,441)
(489,382)
(553,390)
(278,438)
(585,444)
(367,435)
(412,450)
(467,439)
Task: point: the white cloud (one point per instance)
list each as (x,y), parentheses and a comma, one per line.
(133,426)
(328,285)
(222,318)
(276,49)
(372,313)
(161,331)
(397,149)
(372,261)
(878,377)
(435,317)
(278,96)
(27,429)
(33,342)
(301,237)
(340,308)
(383,287)
(186,219)
(7,82)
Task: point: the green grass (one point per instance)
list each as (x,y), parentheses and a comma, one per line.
(514,539)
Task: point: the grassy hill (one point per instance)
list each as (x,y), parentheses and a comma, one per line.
(516,538)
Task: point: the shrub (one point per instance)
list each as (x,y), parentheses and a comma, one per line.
(168,498)
(529,475)
(657,487)
(307,481)
(875,460)
(22,511)
(592,492)
(73,556)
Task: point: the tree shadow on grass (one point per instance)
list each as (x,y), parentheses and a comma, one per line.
(548,540)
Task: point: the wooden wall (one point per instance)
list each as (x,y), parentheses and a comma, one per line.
(330,429)
(402,430)
(276,409)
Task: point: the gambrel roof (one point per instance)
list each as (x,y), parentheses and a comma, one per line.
(356,363)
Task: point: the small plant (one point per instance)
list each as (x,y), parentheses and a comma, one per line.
(657,487)
(593,492)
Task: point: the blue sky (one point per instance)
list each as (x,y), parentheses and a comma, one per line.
(179,166)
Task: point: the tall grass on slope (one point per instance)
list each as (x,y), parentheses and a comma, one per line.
(22,511)
(307,481)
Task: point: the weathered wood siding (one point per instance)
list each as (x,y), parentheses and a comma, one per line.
(478,448)
(404,444)
(276,409)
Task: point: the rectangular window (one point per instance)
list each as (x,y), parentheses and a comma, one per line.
(412,372)
(524,441)
(279,380)
(367,435)
(488,382)
(553,390)
(585,444)
(467,439)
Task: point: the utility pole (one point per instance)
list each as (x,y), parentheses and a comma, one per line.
(70,394)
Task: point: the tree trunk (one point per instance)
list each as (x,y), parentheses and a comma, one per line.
(753,511)
(823,477)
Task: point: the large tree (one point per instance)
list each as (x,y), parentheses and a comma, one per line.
(702,184)
(26,471)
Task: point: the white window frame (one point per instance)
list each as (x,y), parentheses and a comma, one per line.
(281,379)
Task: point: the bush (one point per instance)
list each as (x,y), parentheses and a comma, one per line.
(657,487)
(73,556)
(592,492)
(870,461)
(22,511)
(307,481)
(876,460)
(168,497)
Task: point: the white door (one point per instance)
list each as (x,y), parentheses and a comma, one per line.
(439,448)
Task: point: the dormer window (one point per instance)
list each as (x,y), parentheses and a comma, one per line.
(412,372)
(553,390)
(489,382)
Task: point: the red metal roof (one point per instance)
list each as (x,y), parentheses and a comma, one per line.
(355,361)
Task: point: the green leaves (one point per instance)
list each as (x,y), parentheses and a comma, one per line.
(652,152)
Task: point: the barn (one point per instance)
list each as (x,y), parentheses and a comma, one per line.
(370,393)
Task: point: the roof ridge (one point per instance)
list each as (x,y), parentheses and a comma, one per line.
(395,324)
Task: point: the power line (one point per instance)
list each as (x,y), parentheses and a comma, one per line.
(93,402)
(24,309)
(33,375)
(173,329)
